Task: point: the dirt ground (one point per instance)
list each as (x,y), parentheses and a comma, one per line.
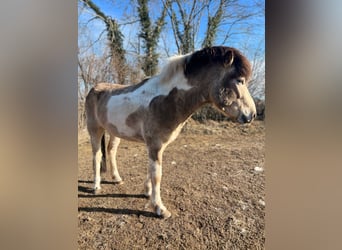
(213,184)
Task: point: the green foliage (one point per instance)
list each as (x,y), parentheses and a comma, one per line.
(150,35)
(208,112)
(213,24)
(184,39)
(94,7)
(115,38)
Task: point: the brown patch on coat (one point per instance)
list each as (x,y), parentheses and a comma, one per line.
(97,99)
(167,113)
(163,119)
(135,118)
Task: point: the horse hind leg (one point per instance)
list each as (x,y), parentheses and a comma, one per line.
(95,138)
(112,150)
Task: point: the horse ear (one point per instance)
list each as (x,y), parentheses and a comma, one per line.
(228,58)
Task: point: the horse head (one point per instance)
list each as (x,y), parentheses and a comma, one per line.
(226,72)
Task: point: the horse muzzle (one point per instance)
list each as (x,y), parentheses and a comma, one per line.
(246,118)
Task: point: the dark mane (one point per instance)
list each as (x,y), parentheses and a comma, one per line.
(217,55)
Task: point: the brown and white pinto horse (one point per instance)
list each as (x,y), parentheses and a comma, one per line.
(155,110)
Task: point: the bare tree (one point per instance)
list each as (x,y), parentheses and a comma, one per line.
(213,24)
(150,34)
(186,17)
(185,24)
(257,82)
(115,38)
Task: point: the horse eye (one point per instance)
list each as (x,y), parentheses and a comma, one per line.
(240,80)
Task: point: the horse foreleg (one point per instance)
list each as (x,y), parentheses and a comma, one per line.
(112,150)
(155,173)
(148,184)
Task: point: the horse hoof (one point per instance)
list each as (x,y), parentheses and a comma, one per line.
(119,182)
(163,214)
(97,191)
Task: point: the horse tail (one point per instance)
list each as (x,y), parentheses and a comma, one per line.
(93,124)
(103,150)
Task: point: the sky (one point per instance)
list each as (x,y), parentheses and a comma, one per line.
(122,11)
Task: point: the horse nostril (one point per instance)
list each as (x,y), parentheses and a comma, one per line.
(244,119)
(247,119)
(254,115)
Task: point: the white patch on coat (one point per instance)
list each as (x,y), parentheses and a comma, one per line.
(122,105)
(248,106)
(176,132)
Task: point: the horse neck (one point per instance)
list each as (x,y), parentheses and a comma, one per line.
(192,100)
